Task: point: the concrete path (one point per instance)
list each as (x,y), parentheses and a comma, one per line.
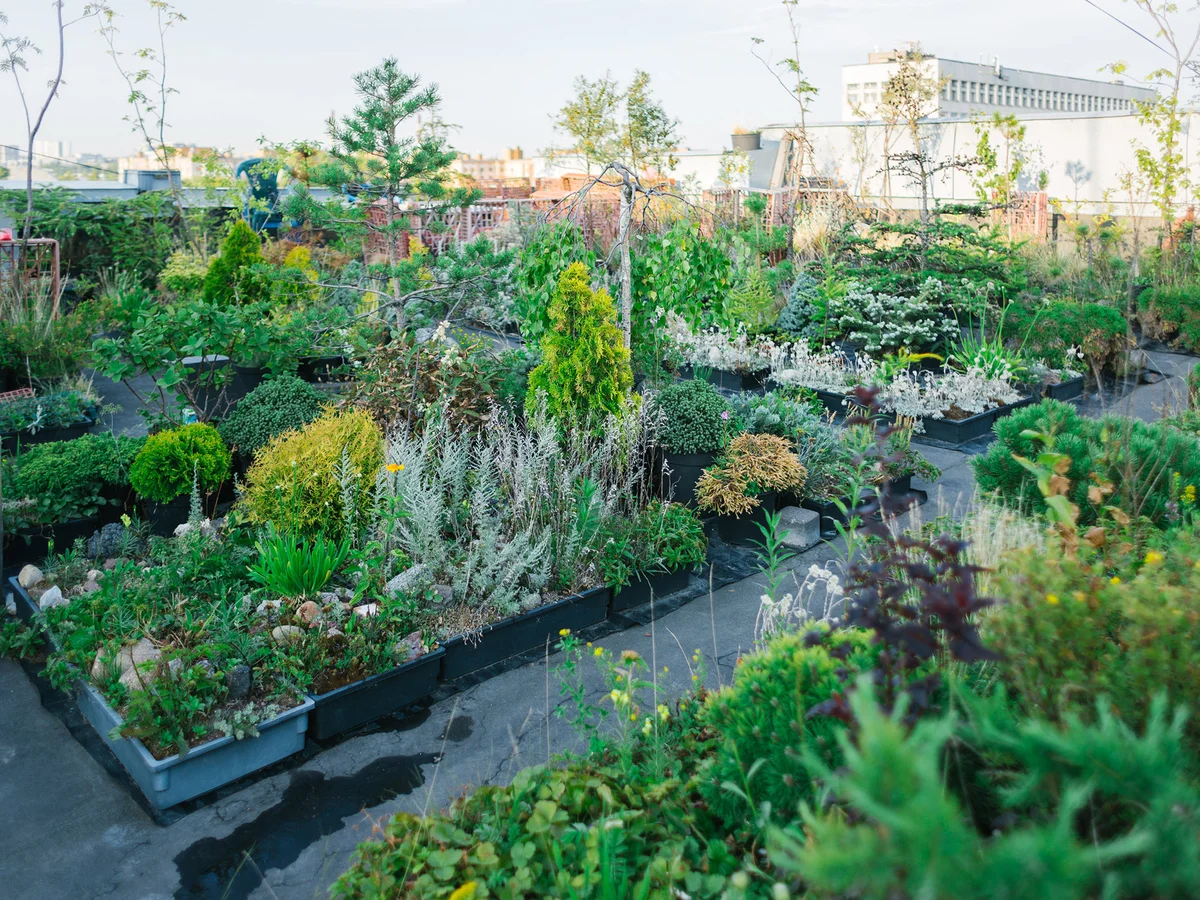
(71,829)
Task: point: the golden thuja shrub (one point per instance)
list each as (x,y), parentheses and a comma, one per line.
(753,464)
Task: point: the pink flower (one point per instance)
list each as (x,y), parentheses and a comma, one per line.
(725,415)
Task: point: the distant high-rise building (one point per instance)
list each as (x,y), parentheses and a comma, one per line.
(967,89)
(53,149)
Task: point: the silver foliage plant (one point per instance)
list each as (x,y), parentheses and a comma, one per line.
(513,511)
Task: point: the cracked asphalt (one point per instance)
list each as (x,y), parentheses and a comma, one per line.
(71,828)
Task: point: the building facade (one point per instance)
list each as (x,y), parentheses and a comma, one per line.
(971,89)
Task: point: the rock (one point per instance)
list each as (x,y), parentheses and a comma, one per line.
(102,663)
(88,587)
(10,604)
(408,647)
(424,335)
(30,576)
(530,602)
(267,607)
(206,528)
(366,610)
(334,633)
(53,597)
(802,527)
(182,529)
(138,664)
(308,612)
(94,574)
(282,634)
(445,593)
(238,682)
(110,564)
(109,542)
(329,598)
(410,581)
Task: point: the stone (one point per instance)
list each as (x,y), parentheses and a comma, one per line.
(110,564)
(10,604)
(109,542)
(802,527)
(366,610)
(53,597)
(137,663)
(445,594)
(328,598)
(334,633)
(30,576)
(88,587)
(308,612)
(103,662)
(408,647)
(268,607)
(282,634)
(238,682)
(410,581)
(94,574)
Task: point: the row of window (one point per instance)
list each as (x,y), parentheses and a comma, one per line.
(991,94)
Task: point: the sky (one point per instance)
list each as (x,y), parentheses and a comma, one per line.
(275,69)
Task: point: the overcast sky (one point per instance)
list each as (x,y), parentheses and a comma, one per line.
(246,69)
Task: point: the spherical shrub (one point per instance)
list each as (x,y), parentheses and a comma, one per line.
(299,483)
(170,461)
(272,408)
(696,419)
(764,728)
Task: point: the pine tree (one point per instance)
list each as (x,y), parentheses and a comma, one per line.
(585,375)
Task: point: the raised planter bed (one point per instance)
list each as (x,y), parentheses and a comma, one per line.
(358,703)
(686,469)
(208,766)
(321,369)
(731,381)
(743,530)
(642,589)
(1065,390)
(959,431)
(831,516)
(10,441)
(32,545)
(520,634)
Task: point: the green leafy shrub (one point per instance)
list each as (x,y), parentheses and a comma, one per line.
(47,348)
(787,413)
(663,537)
(1138,459)
(752,303)
(765,730)
(1048,330)
(65,480)
(234,276)
(300,484)
(297,567)
(170,462)
(1172,311)
(543,260)
(696,418)
(183,274)
(272,408)
(585,375)
(1071,632)
(804,312)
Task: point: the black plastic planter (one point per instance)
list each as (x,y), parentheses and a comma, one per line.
(832,516)
(521,634)
(11,441)
(959,431)
(164,518)
(731,381)
(745,529)
(32,545)
(686,469)
(642,589)
(1066,390)
(321,369)
(356,704)
(838,404)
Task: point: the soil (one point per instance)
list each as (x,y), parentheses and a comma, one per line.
(162,751)
(955,414)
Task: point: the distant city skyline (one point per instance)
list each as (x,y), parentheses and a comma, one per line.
(505,68)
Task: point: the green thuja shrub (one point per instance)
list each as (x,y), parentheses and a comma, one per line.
(272,408)
(1139,460)
(1173,311)
(170,462)
(1047,330)
(319,479)
(585,374)
(234,276)
(696,419)
(764,728)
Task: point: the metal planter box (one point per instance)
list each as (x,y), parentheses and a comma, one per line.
(208,766)
(642,590)
(358,703)
(521,634)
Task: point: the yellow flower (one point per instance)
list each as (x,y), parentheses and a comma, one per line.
(1052,599)
(466,892)
(695,678)
(663,712)
(1114,580)
(633,717)
(563,632)
(1189,494)
(125,520)
(599,651)
(647,726)
(394,468)
(615,695)
(1153,557)
(665,670)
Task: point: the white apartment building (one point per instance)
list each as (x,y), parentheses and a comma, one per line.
(513,164)
(968,89)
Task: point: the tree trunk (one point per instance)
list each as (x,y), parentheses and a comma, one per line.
(626,269)
(393,263)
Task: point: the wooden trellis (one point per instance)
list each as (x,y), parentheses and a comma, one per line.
(27,267)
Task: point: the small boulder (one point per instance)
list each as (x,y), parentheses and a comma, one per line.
(801,527)
(410,581)
(408,648)
(268,607)
(88,587)
(52,597)
(10,604)
(109,542)
(138,664)
(334,633)
(238,682)
(308,612)
(30,576)
(445,593)
(94,574)
(110,564)
(367,610)
(282,634)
